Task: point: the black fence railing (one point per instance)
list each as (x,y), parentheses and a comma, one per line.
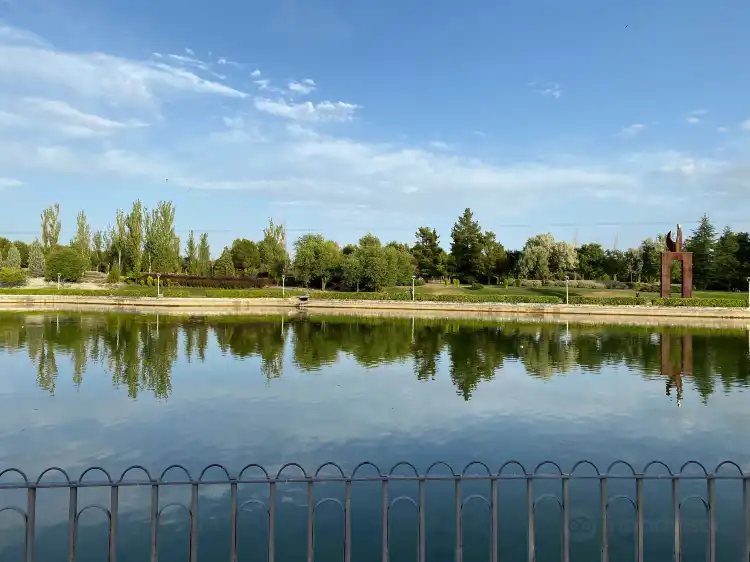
(729,471)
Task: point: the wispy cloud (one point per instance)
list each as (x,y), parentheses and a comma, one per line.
(696,116)
(9,182)
(722,130)
(190,51)
(631,130)
(255,73)
(548,90)
(308,111)
(304,87)
(440,145)
(745,125)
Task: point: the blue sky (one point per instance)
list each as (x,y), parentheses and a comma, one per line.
(348,117)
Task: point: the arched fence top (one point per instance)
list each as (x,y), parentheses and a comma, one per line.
(293,472)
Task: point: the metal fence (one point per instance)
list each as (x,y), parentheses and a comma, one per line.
(731,471)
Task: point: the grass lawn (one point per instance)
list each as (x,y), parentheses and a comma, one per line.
(439,289)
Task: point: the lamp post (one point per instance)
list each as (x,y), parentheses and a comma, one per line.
(566,290)
(748,292)
(158,292)
(413,278)
(283,286)
(58,281)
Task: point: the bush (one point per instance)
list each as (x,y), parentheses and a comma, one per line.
(215,282)
(418,282)
(456,282)
(67,262)
(701,302)
(13,260)
(529,283)
(114,275)
(505,283)
(12,277)
(476,286)
(518,282)
(610,301)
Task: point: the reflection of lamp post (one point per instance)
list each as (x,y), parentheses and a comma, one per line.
(158,292)
(566,289)
(413,277)
(283,285)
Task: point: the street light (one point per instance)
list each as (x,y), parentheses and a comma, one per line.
(748,292)
(413,277)
(158,292)
(283,285)
(566,290)
(58,281)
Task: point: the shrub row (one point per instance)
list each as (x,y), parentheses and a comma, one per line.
(202,282)
(12,277)
(610,301)
(703,302)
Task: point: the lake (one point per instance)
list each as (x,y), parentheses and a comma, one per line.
(115,390)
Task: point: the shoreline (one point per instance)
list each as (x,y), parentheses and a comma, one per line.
(584,314)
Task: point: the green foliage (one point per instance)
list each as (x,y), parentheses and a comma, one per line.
(272,249)
(702,302)
(429,257)
(150,281)
(456,282)
(466,246)
(191,255)
(51,226)
(65,261)
(476,286)
(36,259)
(12,259)
(204,256)
(505,283)
(12,277)
(315,258)
(162,243)
(702,243)
(224,266)
(134,237)
(610,301)
(23,249)
(246,256)
(82,240)
(97,250)
(114,274)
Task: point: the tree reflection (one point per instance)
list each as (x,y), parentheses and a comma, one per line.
(140,352)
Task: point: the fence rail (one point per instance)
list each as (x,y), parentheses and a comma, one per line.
(731,471)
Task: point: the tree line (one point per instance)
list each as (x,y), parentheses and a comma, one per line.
(144,240)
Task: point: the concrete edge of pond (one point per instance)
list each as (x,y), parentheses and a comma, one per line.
(641,315)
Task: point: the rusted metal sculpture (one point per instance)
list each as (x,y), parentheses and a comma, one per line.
(674,253)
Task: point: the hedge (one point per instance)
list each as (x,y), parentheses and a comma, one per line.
(610,301)
(702,302)
(12,277)
(204,282)
(406,296)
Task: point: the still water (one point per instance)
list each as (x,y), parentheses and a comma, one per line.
(118,390)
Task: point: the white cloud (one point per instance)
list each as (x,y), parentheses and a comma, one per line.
(696,116)
(28,66)
(549,90)
(439,145)
(745,125)
(189,51)
(631,130)
(304,87)
(9,182)
(255,73)
(722,130)
(308,111)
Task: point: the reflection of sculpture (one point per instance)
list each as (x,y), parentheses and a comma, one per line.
(674,374)
(674,253)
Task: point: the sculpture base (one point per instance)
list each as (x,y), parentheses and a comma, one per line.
(686,258)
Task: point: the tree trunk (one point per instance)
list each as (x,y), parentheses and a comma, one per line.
(322,283)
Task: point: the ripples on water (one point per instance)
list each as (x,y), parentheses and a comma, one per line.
(116,390)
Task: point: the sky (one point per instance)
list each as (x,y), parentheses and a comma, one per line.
(596,121)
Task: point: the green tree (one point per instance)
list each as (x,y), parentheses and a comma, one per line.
(351,270)
(204,256)
(535,257)
(118,237)
(162,243)
(428,255)
(591,261)
(65,261)
(4,246)
(51,226)
(23,248)
(13,259)
(134,237)
(726,265)
(399,265)
(315,258)
(466,246)
(224,267)
(246,256)
(82,239)
(97,250)
(651,251)
(702,243)
(272,250)
(36,259)
(492,262)
(633,261)
(191,255)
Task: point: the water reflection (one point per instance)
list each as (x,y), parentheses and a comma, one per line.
(140,352)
